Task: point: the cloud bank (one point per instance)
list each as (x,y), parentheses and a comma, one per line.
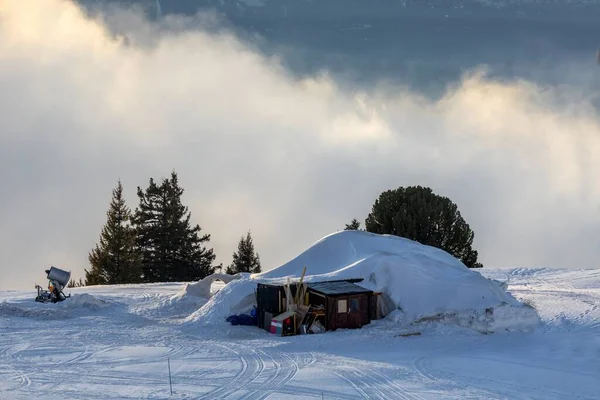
(256,148)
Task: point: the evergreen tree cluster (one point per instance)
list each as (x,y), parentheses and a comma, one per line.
(74,284)
(171,248)
(158,243)
(155,243)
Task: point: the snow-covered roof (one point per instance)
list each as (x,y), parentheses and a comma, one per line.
(334,288)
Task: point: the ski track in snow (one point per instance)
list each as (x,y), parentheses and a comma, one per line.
(260,376)
(121,351)
(434,368)
(374,385)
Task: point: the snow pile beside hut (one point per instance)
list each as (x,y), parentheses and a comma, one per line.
(417,282)
(203,287)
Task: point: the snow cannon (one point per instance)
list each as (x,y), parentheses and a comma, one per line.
(59,276)
(57,281)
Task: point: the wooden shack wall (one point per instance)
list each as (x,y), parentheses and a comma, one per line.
(365,308)
(331,314)
(332,321)
(269,299)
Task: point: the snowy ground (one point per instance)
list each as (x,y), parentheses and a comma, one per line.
(115,344)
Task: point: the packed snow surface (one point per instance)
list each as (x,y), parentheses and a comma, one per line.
(113,342)
(420,281)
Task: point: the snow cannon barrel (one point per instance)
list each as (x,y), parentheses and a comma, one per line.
(58,275)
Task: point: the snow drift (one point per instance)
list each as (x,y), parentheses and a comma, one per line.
(235,298)
(202,288)
(419,282)
(190,298)
(32,309)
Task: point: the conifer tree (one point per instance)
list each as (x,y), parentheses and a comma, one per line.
(75,284)
(245,259)
(172,249)
(115,259)
(147,221)
(354,225)
(416,213)
(95,275)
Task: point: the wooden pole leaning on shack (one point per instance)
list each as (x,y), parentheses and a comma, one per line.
(300,300)
(289,304)
(296,303)
(300,290)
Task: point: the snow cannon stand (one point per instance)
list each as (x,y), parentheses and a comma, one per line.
(57,281)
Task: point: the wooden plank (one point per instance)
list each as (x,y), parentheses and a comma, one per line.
(407,334)
(299,286)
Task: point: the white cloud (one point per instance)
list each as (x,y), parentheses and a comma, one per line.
(258,149)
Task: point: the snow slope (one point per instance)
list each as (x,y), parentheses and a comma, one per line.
(420,281)
(119,350)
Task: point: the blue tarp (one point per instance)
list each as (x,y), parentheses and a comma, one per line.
(243,319)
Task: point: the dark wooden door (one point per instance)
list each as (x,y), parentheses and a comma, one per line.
(341,315)
(348,312)
(354,312)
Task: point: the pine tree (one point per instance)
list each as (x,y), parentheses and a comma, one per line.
(417,213)
(147,221)
(115,259)
(95,275)
(75,284)
(245,259)
(354,225)
(193,261)
(172,249)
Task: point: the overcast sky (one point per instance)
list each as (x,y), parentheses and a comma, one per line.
(256,149)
